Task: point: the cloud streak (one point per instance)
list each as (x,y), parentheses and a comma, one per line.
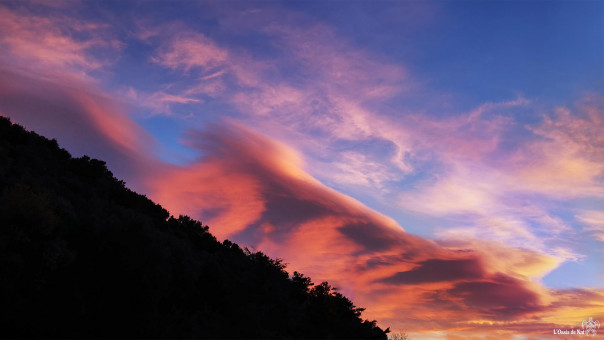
(191,50)
(254,190)
(55,44)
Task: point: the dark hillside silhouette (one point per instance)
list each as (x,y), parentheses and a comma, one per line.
(83,256)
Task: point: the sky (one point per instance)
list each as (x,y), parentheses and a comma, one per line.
(441,162)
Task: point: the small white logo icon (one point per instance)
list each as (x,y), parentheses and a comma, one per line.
(590,326)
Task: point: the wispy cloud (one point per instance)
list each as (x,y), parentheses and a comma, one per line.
(567,157)
(55,43)
(594,222)
(191,50)
(159,102)
(496,189)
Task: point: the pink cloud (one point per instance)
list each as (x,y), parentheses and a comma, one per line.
(566,159)
(333,94)
(593,221)
(503,193)
(261,156)
(82,118)
(336,100)
(191,50)
(47,43)
(197,55)
(159,102)
(252,190)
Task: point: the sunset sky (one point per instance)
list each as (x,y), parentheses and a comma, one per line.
(441,162)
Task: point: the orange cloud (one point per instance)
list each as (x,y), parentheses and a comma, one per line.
(211,192)
(567,160)
(253,190)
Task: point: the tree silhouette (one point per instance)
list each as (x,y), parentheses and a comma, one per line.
(81,255)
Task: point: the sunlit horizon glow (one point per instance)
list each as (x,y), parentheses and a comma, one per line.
(442,163)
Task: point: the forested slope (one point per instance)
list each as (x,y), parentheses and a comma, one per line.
(83,256)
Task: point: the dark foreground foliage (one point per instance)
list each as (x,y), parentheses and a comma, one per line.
(83,256)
